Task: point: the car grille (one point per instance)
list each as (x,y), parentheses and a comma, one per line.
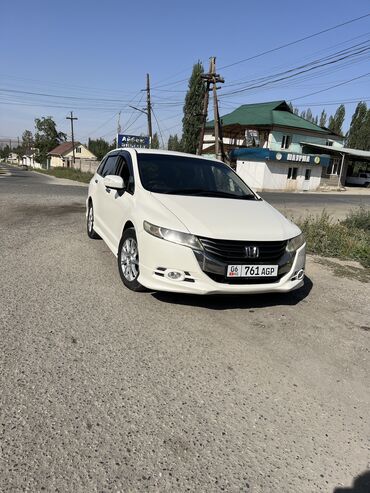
(244,280)
(233,252)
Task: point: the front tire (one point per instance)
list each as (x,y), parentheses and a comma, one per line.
(128,260)
(91,233)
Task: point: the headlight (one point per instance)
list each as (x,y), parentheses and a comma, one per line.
(185,239)
(295,243)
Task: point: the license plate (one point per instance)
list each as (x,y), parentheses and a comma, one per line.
(252,270)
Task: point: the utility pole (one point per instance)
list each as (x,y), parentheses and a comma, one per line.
(73,137)
(205,111)
(212,78)
(149,108)
(119,123)
(118,128)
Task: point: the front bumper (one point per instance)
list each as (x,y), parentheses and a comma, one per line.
(156,255)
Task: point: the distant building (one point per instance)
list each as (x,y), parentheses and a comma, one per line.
(274,149)
(62,155)
(29,159)
(13,158)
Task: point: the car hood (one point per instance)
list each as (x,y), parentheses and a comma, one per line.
(228,218)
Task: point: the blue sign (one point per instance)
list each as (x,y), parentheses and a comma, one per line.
(124,140)
(263,154)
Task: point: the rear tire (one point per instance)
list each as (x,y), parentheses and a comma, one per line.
(91,233)
(128,260)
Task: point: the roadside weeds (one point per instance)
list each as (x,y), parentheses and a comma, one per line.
(68,173)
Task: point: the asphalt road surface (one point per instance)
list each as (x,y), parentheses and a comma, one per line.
(102,389)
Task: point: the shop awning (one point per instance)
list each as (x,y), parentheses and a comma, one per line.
(355,153)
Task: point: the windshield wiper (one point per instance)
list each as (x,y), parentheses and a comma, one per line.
(183,191)
(207,193)
(226,195)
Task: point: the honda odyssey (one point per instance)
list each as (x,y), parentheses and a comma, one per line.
(184,223)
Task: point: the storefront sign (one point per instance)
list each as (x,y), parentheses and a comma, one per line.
(124,140)
(297,158)
(263,154)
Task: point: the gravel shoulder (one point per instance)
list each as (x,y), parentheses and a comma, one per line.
(104,389)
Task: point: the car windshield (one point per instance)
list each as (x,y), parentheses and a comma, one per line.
(181,175)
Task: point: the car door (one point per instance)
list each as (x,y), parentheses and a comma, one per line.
(101,195)
(119,203)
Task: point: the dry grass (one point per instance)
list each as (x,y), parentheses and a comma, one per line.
(348,239)
(68,173)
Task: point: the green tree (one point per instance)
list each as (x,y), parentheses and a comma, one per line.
(4,152)
(336,121)
(193,108)
(99,147)
(46,137)
(155,142)
(27,143)
(358,135)
(174,143)
(309,115)
(323,118)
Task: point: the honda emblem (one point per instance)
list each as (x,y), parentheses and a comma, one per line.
(252,251)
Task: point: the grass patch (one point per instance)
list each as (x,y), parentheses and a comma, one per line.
(68,173)
(347,240)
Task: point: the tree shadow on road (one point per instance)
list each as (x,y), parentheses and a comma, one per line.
(361,484)
(246,301)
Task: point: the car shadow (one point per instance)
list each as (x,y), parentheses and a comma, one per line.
(361,484)
(245,301)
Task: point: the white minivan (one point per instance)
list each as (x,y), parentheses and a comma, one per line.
(184,223)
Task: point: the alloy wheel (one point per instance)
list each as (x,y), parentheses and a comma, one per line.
(130,259)
(90,219)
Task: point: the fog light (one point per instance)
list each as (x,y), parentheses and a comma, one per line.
(300,274)
(174,275)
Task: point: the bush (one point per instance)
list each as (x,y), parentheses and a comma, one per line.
(348,239)
(359,219)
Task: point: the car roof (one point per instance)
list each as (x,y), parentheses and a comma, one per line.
(141,150)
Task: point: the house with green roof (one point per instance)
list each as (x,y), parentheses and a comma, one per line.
(272,148)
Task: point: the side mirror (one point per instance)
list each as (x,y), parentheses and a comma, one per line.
(114,181)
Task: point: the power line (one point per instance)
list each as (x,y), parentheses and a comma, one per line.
(299,70)
(332,87)
(349,52)
(272,50)
(277,48)
(159,128)
(333,103)
(78,98)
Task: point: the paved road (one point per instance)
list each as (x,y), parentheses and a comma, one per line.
(104,390)
(297,205)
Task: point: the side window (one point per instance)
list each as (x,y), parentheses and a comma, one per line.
(100,167)
(286,141)
(126,173)
(292,173)
(110,166)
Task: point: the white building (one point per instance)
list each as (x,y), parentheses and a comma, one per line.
(29,159)
(268,144)
(62,155)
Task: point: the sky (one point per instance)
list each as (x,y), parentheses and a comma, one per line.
(92,58)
